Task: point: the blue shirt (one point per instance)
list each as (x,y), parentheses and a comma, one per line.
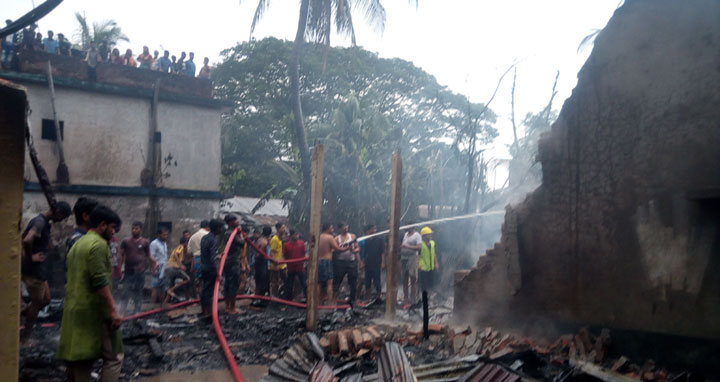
(165,64)
(50,45)
(158,251)
(190,68)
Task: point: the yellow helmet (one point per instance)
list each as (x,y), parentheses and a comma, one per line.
(425,231)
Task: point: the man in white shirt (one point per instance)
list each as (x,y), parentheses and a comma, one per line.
(194,249)
(409,250)
(158,251)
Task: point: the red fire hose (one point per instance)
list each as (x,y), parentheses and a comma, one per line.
(216,322)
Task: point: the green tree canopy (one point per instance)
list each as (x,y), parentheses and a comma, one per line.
(362,108)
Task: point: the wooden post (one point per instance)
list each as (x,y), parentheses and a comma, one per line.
(393,263)
(316,200)
(13,104)
(151,176)
(62,174)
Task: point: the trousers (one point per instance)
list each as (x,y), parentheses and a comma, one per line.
(342,268)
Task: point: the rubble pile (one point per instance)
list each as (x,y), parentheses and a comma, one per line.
(457,353)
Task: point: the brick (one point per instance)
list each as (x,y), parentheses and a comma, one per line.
(376,337)
(436,328)
(367,340)
(325,343)
(334,348)
(357,339)
(343,344)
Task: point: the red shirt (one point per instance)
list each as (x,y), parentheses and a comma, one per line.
(294,250)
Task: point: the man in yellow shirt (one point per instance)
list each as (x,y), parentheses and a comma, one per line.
(278,272)
(428,261)
(175,269)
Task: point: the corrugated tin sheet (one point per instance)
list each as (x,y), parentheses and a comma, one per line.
(393,365)
(244,205)
(486,372)
(322,373)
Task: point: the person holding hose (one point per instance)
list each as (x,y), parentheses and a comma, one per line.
(428,262)
(208,265)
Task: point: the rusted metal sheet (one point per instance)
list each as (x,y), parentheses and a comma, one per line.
(393,365)
(322,373)
(485,372)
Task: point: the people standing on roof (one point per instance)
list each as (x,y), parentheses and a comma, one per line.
(145,59)
(190,65)
(132,253)
(235,264)
(205,70)
(278,272)
(345,262)
(428,260)
(28,37)
(92,58)
(128,59)
(208,255)
(38,43)
(35,246)
(165,63)
(90,320)
(409,251)
(50,45)
(116,58)
(295,249)
(155,66)
(64,45)
(159,252)
(8,47)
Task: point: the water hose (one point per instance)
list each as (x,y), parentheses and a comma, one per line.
(216,321)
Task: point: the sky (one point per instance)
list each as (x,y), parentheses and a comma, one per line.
(466,44)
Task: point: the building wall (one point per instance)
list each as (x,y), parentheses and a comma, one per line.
(625,229)
(106,139)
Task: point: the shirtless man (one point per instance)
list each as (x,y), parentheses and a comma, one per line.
(327,245)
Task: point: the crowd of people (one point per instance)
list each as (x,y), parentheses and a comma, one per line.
(101,270)
(100,52)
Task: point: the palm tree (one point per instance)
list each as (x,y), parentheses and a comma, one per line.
(106,30)
(316,21)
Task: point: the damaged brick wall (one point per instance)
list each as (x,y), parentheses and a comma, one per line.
(625,229)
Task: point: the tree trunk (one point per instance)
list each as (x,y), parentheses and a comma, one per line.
(299,123)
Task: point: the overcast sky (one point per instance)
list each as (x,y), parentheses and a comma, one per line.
(465,44)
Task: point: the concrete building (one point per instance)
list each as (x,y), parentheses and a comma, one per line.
(115,133)
(624,230)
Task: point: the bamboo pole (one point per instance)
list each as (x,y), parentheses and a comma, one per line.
(316,199)
(393,263)
(62,174)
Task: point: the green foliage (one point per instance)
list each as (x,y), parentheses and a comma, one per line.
(362,108)
(105,30)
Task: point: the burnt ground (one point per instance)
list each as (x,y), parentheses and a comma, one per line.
(187,343)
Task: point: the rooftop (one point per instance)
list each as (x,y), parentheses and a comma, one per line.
(72,72)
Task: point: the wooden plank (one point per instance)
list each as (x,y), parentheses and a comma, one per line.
(13,104)
(393,263)
(316,199)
